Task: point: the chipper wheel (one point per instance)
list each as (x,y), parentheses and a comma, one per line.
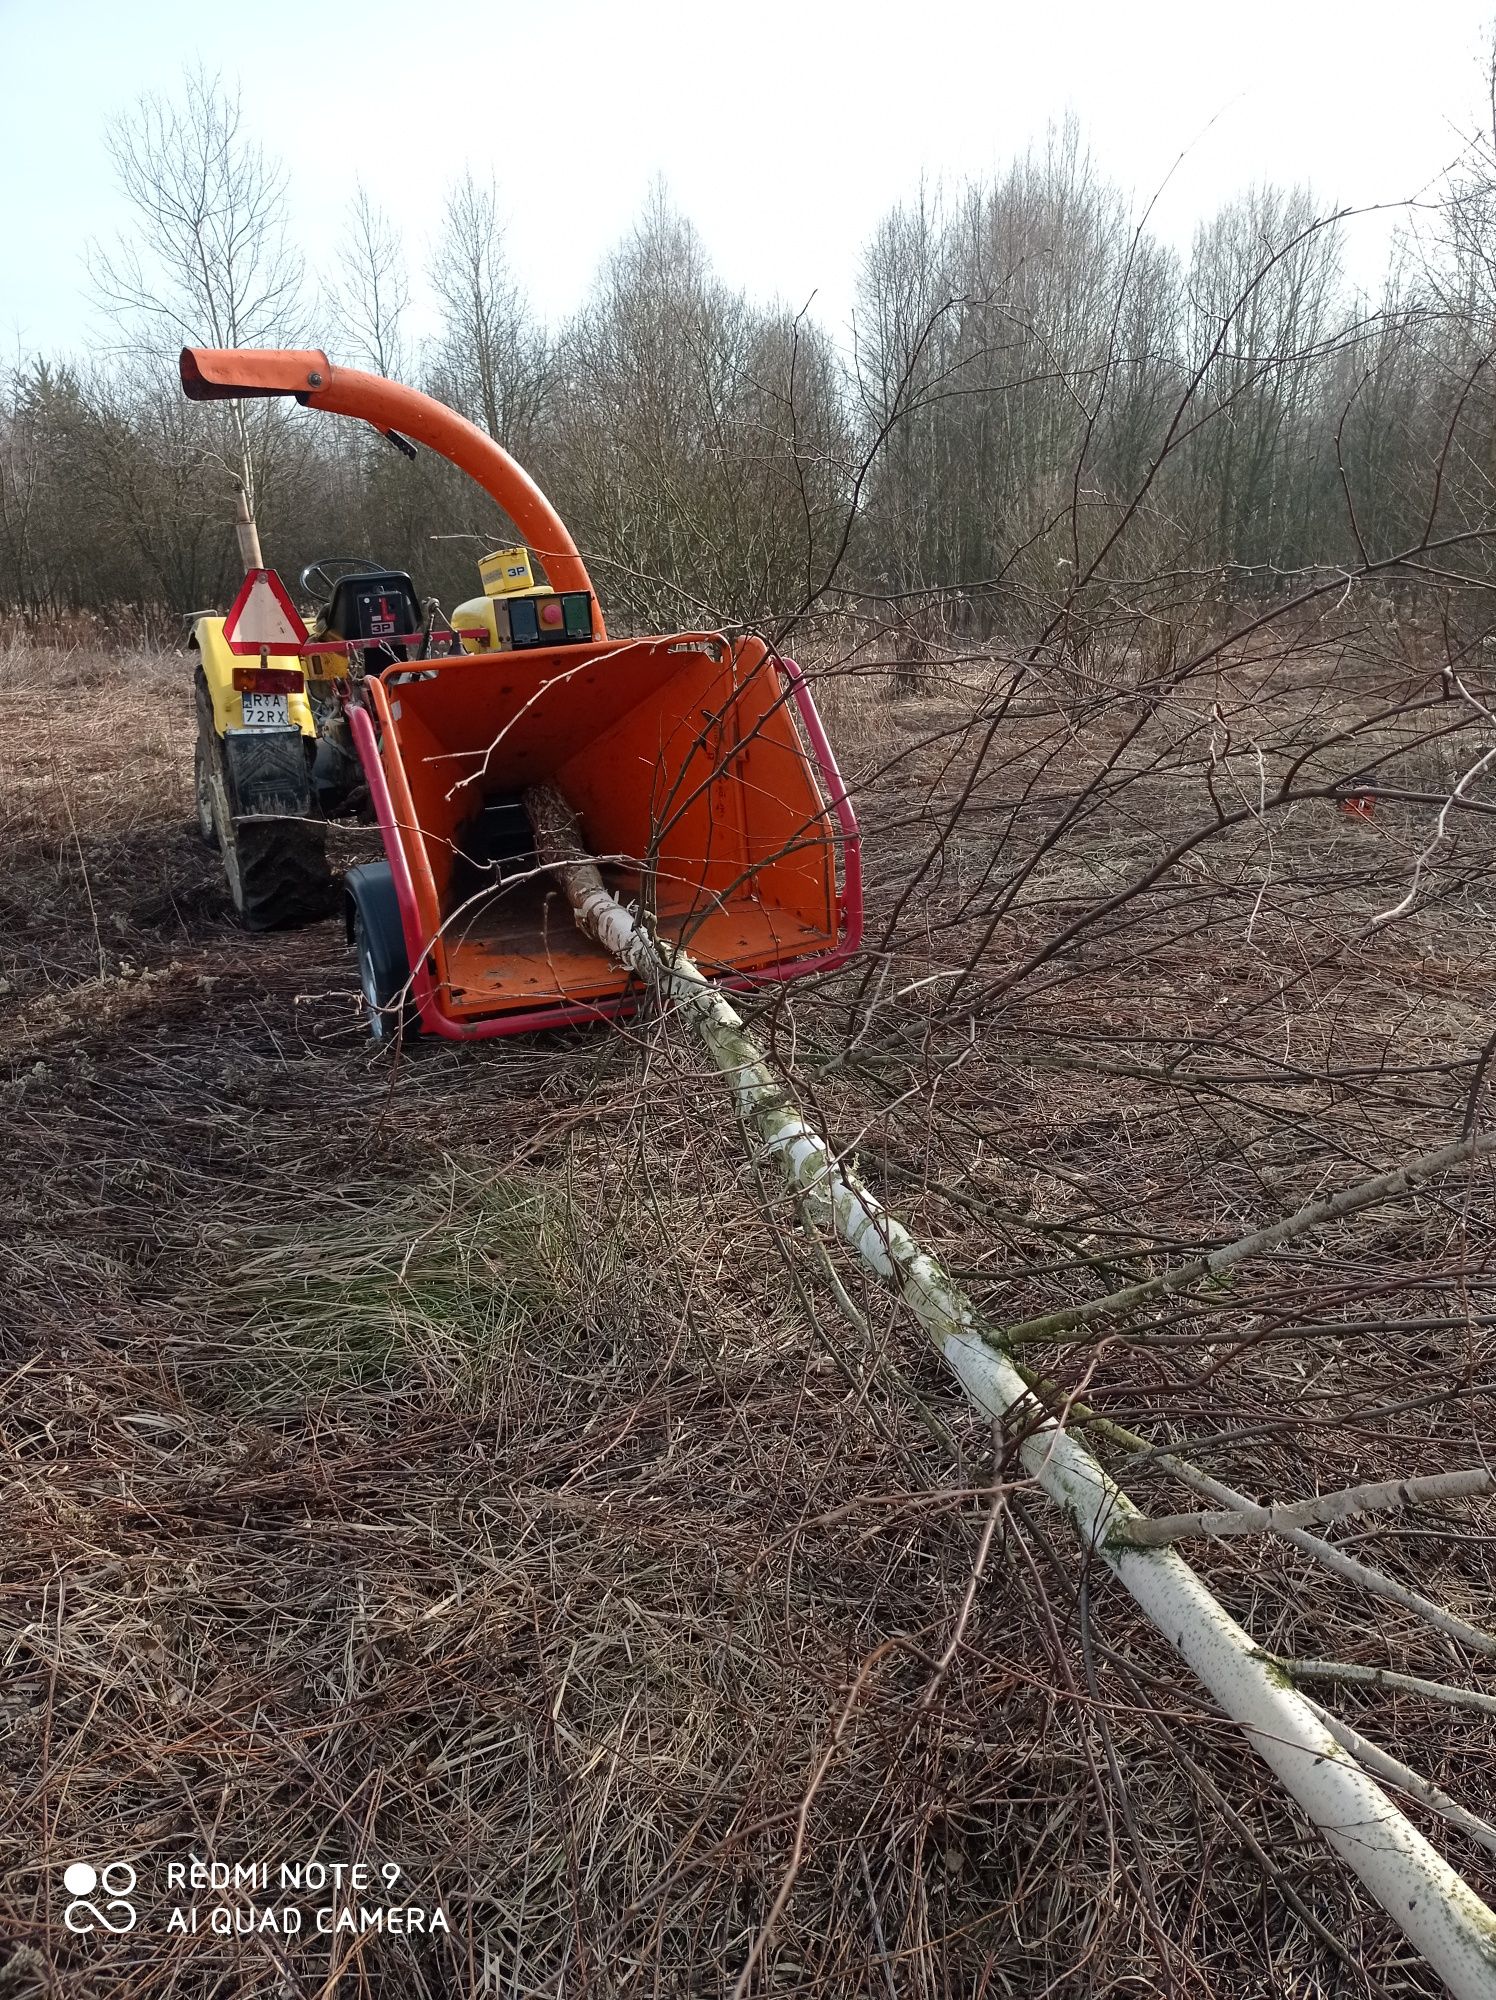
(372,915)
(275,858)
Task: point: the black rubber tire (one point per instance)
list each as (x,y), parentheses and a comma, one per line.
(207,758)
(378,940)
(279,875)
(379,1015)
(202,765)
(277,868)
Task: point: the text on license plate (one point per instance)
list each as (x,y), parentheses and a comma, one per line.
(265,711)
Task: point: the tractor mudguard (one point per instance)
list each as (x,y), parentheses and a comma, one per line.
(269,772)
(218,665)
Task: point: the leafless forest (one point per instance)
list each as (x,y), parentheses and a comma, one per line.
(473,1458)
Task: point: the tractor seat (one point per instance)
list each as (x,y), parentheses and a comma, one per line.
(375,605)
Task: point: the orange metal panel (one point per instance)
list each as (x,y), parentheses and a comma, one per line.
(225,374)
(416,847)
(525,950)
(679,756)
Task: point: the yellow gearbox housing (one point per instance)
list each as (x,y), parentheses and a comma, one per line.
(480,623)
(515,612)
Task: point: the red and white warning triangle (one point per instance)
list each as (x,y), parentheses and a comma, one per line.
(262,617)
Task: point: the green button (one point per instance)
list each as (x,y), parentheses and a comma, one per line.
(578,614)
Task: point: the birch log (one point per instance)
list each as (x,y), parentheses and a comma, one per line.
(1378,1496)
(1437,1909)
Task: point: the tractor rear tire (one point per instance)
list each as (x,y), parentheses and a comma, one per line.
(276,867)
(278,873)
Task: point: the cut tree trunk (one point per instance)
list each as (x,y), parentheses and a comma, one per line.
(1438,1910)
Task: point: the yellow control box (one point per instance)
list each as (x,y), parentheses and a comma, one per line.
(506,571)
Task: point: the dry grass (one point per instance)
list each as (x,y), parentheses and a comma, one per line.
(453,1462)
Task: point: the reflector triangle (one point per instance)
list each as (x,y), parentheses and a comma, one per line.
(262,616)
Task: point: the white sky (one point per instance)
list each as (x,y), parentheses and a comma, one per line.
(784,128)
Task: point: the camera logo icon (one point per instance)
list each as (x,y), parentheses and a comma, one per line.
(115,1881)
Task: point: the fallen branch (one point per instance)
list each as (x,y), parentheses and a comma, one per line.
(1376,1497)
(1436,1908)
(1376,1582)
(1384,1765)
(1355,1675)
(1303,1222)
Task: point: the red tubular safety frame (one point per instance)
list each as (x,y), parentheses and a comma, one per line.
(435,1019)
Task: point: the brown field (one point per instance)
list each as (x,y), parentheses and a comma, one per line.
(455,1461)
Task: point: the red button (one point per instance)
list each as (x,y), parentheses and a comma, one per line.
(550,612)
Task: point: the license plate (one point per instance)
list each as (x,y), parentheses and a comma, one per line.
(265,711)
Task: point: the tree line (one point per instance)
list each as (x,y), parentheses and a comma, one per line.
(1037,403)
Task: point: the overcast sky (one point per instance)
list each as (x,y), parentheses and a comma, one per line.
(783,128)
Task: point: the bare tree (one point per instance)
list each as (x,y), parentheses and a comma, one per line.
(701,442)
(491,360)
(1014,348)
(372,293)
(1263,318)
(208,256)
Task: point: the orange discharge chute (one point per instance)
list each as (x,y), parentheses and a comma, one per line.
(224,374)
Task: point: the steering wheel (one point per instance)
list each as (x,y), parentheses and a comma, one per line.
(320,571)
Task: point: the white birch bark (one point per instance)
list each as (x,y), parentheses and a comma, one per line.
(1440,1913)
(1376,1496)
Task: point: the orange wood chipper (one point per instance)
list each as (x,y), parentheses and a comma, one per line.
(697,764)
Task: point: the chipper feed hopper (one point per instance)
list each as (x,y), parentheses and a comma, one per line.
(697,764)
